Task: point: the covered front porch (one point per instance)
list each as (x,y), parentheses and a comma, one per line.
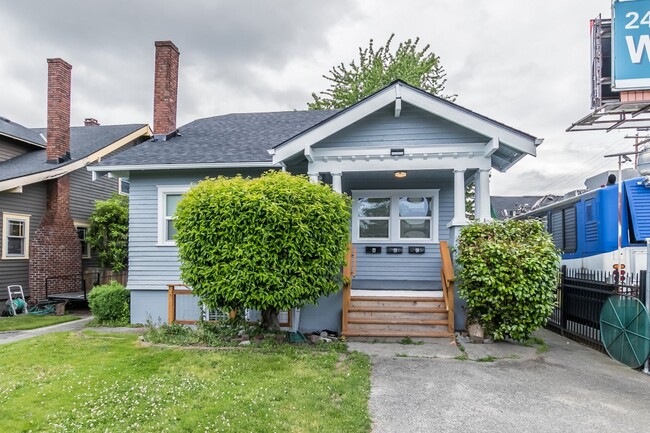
(405,157)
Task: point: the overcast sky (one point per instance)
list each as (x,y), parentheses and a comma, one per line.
(523,63)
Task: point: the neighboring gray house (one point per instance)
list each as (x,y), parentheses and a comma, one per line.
(403,155)
(33,180)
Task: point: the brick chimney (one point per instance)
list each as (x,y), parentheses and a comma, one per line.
(165,89)
(59,76)
(89,121)
(55,250)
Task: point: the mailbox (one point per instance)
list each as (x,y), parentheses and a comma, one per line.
(416,250)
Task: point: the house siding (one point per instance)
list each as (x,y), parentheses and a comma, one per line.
(84,192)
(414,127)
(9,150)
(30,202)
(152,267)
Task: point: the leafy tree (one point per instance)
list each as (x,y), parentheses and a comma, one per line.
(108,234)
(376,69)
(509,271)
(470,201)
(271,243)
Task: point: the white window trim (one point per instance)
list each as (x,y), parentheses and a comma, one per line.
(119,185)
(393,229)
(162,193)
(77,225)
(5,234)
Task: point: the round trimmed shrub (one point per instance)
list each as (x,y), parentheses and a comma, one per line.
(110,304)
(509,272)
(270,243)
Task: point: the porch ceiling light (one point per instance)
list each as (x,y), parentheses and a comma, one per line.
(397,152)
(400,174)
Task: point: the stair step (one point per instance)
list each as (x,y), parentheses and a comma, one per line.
(397,298)
(424,310)
(396,333)
(397,321)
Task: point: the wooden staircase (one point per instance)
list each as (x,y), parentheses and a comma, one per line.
(430,316)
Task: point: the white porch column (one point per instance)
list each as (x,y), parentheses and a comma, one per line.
(477,194)
(459,199)
(459,219)
(483,195)
(313,177)
(336,182)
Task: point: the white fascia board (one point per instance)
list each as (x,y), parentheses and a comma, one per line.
(433,151)
(491,147)
(151,167)
(347,118)
(470,121)
(76,165)
(447,162)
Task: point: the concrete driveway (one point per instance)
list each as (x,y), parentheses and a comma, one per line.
(569,388)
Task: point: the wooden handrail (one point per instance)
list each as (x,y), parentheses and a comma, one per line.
(448,278)
(348,272)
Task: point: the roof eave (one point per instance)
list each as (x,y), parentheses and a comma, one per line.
(63,169)
(157,167)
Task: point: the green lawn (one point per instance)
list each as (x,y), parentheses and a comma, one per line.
(93,382)
(22,322)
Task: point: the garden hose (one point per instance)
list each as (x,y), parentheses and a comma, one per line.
(19,305)
(42,311)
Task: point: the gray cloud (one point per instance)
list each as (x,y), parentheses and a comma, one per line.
(525,64)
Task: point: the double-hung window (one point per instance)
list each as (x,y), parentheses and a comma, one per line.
(168,198)
(394,216)
(82,232)
(15,236)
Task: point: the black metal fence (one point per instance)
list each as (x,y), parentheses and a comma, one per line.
(581,295)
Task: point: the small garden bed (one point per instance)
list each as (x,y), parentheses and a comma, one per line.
(24,322)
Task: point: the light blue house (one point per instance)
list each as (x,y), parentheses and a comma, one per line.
(405,157)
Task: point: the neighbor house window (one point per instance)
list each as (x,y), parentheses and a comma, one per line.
(82,232)
(168,198)
(391,216)
(123,186)
(15,236)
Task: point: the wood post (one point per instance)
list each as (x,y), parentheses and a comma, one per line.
(171,304)
(348,273)
(448,278)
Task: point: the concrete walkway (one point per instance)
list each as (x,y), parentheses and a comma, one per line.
(438,387)
(13,336)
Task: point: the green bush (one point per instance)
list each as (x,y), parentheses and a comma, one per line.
(271,243)
(509,271)
(109,304)
(108,234)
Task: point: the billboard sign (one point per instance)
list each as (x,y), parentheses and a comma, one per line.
(631,45)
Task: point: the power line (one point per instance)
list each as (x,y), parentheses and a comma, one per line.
(582,173)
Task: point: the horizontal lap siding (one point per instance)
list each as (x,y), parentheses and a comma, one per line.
(10,150)
(152,267)
(30,202)
(84,192)
(414,127)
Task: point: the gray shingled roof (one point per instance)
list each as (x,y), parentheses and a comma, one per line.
(232,138)
(19,132)
(84,141)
